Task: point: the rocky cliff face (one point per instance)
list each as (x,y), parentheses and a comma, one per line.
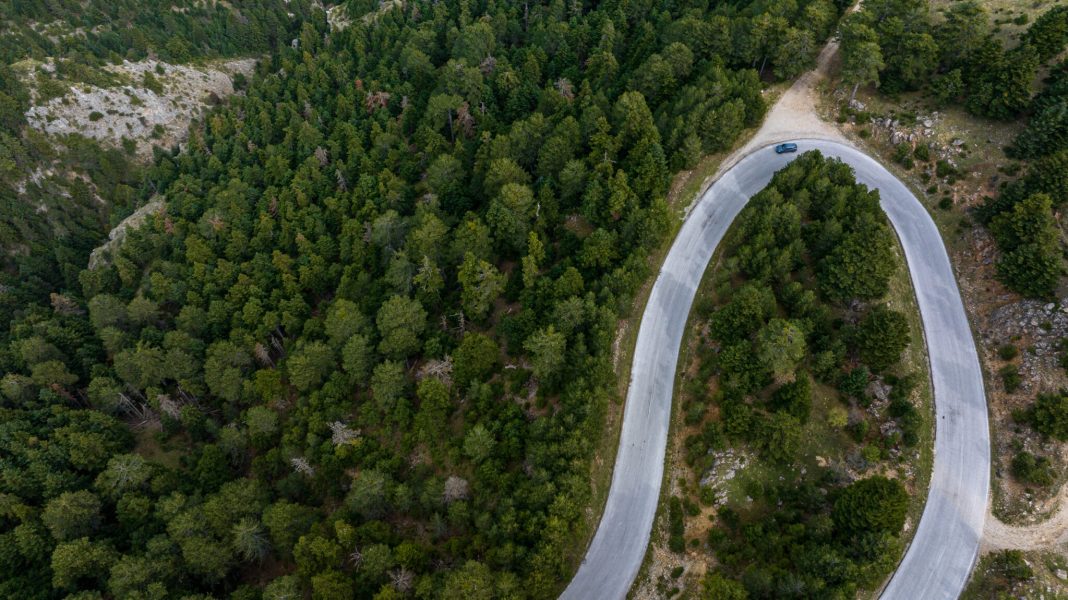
(154,107)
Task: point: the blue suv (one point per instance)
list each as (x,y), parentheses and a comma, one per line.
(787,147)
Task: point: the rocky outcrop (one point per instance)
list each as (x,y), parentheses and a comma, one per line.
(102,253)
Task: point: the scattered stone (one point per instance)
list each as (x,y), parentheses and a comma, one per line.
(1062,574)
(149,117)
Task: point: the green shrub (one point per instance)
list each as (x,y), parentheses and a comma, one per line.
(1011,565)
(943,169)
(150,82)
(794,397)
(922,152)
(872,505)
(1008,352)
(676,526)
(96,116)
(1062,353)
(691,507)
(1049,415)
(1010,378)
(881,337)
(1032,470)
(903,155)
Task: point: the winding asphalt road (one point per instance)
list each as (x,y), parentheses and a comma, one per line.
(946,543)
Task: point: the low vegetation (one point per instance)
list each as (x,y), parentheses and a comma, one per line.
(999,575)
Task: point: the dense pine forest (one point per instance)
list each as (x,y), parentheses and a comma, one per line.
(59,197)
(794,331)
(365,349)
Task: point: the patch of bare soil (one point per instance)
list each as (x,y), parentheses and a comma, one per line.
(1045,535)
(794,116)
(155,108)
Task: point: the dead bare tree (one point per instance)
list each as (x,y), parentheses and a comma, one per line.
(456,488)
(355,557)
(401,579)
(437,368)
(466,120)
(342,433)
(376,100)
(302,466)
(566,89)
(261,353)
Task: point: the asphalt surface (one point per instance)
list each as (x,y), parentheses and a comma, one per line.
(946,543)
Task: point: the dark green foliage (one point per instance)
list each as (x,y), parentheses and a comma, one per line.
(810,214)
(795,539)
(1007,352)
(1048,35)
(909,52)
(676,525)
(113,30)
(475,186)
(802,547)
(47,229)
(718,587)
(1004,90)
(749,307)
(475,359)
(860,266)
(698,446)
(1049,415)
(999,573)
(1011,565)
(972,65)
(446,185)
(958,57)
(872,505)
(903,411)
(1047,176)
(1032,470)
(854,382)
(1010,378)
(881,337)
(1046,132)
(903,155)
(1029,239)
(944,170)
(794,397)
